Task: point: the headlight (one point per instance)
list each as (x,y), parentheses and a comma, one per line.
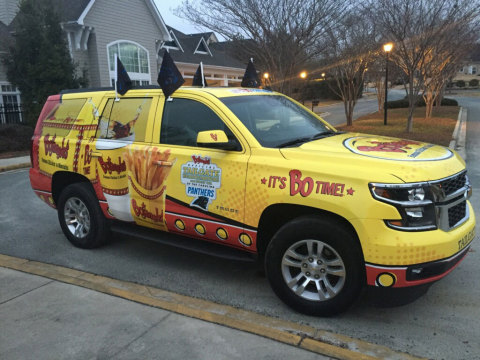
(414,202)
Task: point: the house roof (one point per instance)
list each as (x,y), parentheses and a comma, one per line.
(71,10)
(475,55)
(75,11)
(215,56)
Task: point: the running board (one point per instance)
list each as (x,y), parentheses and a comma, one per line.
(199,246)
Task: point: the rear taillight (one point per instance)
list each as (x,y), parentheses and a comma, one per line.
(31,152)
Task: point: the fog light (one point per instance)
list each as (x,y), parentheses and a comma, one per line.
(416,212)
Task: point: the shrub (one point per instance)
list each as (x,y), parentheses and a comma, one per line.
(473,83)
(460,83)
(403,103)
(15,137)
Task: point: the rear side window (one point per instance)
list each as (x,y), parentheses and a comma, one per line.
(183,119)
(61,118)
(125,119)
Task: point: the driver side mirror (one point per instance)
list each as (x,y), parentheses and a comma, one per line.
(216,139)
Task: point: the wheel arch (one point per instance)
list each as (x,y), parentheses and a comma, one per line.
(61,179)
(275,216)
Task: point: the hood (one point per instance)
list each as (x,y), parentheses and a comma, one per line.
(406,160)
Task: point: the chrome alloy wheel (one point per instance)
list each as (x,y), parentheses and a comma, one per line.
(313,270)
(77,217)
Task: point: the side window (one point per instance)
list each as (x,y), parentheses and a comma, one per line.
(61,118)
(183,119)
(125,119)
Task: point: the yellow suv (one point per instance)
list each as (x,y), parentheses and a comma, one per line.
(254,170)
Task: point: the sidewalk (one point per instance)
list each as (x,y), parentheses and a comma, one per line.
(14,163)
(47,319)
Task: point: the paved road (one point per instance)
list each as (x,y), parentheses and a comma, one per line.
(442,324)
(335,114)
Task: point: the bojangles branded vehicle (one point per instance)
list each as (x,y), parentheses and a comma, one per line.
(253,170)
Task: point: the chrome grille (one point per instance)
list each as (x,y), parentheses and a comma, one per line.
(453,184)
(450,196)
(456,213)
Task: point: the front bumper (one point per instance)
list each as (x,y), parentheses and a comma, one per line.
(413,275)
(400,259)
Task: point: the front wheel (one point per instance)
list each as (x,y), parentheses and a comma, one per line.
(315,265)
(81,218)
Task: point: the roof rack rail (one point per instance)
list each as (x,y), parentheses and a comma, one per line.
(107,88)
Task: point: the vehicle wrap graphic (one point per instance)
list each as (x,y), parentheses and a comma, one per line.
(223,196)
(396,149)
(201,178)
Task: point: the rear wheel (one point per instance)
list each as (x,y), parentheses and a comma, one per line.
(81,218)
(315,265)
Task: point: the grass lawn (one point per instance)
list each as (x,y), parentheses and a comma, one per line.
(437,130)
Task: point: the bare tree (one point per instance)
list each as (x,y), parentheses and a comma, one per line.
(444,58)
(376,75)
(351,46)
(415,26)
(283,34)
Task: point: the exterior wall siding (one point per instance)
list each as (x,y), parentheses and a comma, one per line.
(8,10)
(93,71)
(121,20)
(82,61)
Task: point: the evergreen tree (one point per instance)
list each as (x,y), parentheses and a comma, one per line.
(39,63)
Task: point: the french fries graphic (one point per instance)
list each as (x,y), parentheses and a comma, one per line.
(148,169)
(149,166)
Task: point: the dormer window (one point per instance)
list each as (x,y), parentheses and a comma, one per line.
(202,48)
(174,44)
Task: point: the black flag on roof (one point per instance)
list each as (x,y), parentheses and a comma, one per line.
(197,78)
(123,80)
(250,79)
(169,78)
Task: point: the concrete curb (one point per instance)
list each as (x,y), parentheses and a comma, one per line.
(460,133)
(302,336)
(14,167)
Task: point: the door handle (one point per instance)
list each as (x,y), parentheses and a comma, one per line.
(96,154)
(163,163)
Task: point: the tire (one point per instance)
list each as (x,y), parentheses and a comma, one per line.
(81,218)
(315,265)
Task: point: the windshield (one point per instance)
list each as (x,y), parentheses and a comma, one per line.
(276,121)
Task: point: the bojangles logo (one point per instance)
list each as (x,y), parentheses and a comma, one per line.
(109,167)
(389,146)
(52,147)
(142,211)
(199,160)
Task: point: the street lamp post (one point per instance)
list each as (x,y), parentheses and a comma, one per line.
(387,48)
(266,76)
(303,76)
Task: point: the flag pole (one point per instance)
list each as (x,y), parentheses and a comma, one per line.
(203,78)
(116,77)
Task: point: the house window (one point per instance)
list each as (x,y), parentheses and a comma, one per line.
(202,48)
(474,70)
(134,58)
(10,108)
(174,44)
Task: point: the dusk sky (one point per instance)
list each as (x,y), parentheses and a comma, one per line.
(166,10)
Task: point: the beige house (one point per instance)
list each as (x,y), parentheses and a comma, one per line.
(96,30)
